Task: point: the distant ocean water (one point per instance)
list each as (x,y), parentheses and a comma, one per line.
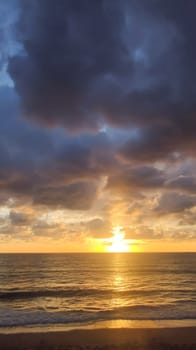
(65,289)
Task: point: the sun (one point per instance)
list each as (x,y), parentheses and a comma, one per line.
(118,243)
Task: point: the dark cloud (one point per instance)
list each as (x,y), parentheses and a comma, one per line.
(67,48)
(22,144)
(34,159)
(151,144)
(20,219)
(76,196)
(183,183)
(136,179)
(86,157)
(159,142)
(124,63)
(174,202)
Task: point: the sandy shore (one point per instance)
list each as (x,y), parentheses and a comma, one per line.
(105,339)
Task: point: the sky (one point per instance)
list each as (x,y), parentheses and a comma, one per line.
(97,125)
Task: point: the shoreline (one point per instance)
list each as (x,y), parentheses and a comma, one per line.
(97,325)
(102,338)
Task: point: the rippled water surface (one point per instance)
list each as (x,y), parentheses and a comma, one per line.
(67,288)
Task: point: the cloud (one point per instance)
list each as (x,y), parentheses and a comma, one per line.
(170,233)
(174,202)
(100,115)
(136,179)
(183,183)
(86,157)
(151,144)
(42,228)
(188,218)
(143,232)
(81,66)
(123,64)
(9,11)
(76,196)
(64,59)
(182,235)
(98,228)
(34,160)
(20,219)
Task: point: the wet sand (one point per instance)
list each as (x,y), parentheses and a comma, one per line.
(103,339)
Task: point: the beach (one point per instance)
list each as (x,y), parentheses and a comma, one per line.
(108,338)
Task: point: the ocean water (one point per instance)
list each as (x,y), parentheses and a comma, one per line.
(67,289)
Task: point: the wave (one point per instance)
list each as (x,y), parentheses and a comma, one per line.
(31,294)
(10,317)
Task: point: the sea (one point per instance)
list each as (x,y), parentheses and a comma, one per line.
(78,290)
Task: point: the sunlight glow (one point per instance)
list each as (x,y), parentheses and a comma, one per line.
(118,243)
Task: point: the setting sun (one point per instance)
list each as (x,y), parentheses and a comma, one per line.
(118,243)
